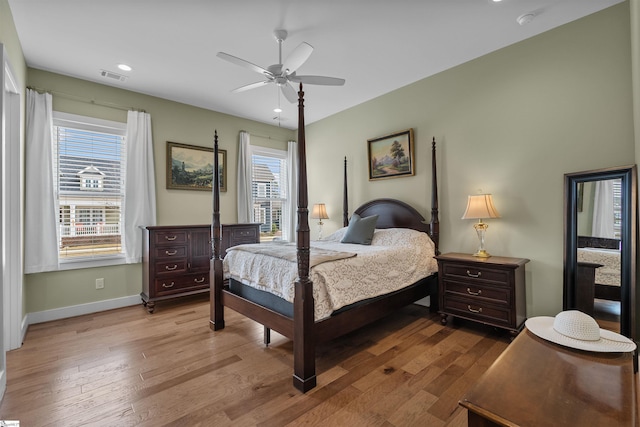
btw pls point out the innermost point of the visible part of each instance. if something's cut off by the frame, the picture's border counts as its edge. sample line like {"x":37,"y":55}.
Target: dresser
{"x":238,"y":234}
{"x":176,"y":259}
{"x":487,"y":290}
{"x":538,"y":383}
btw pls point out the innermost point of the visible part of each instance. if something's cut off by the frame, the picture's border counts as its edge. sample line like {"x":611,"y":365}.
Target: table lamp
{"x":319,"y":212}
{"x":479,"y":207}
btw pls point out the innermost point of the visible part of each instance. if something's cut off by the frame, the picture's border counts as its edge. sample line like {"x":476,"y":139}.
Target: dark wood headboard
{"x":393,"y":214}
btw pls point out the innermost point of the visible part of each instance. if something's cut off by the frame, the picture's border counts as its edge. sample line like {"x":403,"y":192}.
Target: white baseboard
{"x":78,"y":310}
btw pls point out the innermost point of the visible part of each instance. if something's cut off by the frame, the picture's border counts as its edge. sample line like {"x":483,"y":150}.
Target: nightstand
{"x":487,"y":290}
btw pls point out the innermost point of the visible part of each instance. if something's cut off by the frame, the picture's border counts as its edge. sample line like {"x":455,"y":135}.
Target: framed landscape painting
{"x":190,"y":167}
{"x":391,"y":156}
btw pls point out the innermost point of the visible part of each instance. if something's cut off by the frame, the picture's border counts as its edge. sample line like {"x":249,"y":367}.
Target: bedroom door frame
{"x":11,"y":278}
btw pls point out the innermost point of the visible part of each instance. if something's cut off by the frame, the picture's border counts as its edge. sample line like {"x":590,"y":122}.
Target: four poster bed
{"x":301,"y":318}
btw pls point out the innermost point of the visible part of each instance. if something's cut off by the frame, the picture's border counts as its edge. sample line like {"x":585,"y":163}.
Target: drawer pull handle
{"x":164,"y":285}
{"x":199,"y":280}
{"x":173,"y":252}
{"x":474,"y":275}
{"x":171,"y":238}
{"x":171,"y":268}
{"x":470,"y":292}
{"x":479,"y":310}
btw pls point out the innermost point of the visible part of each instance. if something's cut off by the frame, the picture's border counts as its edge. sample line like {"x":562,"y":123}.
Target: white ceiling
{"x":376,"y":45}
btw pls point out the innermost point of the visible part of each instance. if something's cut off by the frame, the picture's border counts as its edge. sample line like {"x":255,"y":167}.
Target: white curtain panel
{"x":140,"y":187}
{"x":245,"y":201}
{"x":41,"y":217}
{"x":291,"y":215}
{"x":603,"y":220}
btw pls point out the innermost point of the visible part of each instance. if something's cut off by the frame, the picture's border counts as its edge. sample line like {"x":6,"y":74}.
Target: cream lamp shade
{"x":319,"y":211}
{"x":479,"y":207}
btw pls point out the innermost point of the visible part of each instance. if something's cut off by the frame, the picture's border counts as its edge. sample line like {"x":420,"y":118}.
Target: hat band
{"x":574,"y":338}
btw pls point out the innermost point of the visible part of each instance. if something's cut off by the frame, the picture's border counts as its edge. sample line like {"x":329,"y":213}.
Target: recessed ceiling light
{"x":277,"y":110}
{"x":124,"y":67}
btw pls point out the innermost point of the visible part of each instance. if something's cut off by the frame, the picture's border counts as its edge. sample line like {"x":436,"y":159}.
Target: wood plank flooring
{"x":126,"y":367}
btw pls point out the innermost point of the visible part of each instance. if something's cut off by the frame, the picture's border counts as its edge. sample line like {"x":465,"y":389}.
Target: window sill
{"x":91,"y":263}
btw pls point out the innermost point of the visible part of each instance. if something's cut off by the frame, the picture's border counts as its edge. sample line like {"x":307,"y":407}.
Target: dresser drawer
{"x":171,"y":252}
{"x":473,"y":273}
{"x":170,"y":237}
{"x":476,"y":309}
{"x":181,"y":284}
{"x":478,"y":291}
{"x":171,"y":266}
{"x":239,"y":235}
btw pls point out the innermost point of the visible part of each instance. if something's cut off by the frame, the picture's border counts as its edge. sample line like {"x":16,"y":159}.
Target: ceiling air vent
{"x":112,"y":75}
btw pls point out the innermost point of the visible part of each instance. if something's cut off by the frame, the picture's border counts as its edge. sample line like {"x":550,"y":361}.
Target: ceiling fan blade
{"x":243,"y":63}
{"x":289,"y":92}
{"x":318,"y":80}
{"x":296,"y":58}
{"x":250,"y":86}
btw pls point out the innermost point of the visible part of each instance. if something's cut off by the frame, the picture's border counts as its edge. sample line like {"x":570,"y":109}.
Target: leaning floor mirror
{"x":600,"y":246}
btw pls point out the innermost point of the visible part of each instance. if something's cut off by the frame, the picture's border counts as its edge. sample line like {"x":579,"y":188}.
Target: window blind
{"x":269,"y":191}
{"x":89,"y":162}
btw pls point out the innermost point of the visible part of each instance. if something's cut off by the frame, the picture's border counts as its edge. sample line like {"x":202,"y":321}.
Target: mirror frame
{"x":628,"y":175}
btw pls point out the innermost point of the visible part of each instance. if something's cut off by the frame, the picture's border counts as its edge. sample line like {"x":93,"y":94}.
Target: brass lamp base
{"x":482,"y":254}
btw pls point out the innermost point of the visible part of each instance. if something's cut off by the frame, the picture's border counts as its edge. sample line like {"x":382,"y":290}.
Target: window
{"x":269,"y":191}
{"x":89,"y":165}
{"x":617,"y":208}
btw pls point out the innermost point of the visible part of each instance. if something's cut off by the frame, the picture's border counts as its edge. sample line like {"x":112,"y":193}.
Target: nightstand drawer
{"x":477,"y":310}
{"x":475,"y":272}
{"x":478,"y":292}
{"x":181,"y":284}
{"x":488,"y":290}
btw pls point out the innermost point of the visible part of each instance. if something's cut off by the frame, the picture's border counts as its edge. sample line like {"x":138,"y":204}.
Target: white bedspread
{"x":396,"y":258}
{"x":609,"y":273}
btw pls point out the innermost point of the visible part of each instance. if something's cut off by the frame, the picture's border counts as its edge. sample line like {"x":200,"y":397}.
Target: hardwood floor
{"x":126,"y":367}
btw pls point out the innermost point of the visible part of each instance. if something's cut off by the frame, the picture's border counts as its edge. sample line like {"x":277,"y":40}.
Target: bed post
{"x":434,"y":225}
{"x":345,"y":200}
{"x":216,"y":315}
{"x":304,"y":357}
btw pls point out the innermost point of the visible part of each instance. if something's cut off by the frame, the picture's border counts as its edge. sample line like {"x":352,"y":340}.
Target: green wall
{"x":171,"y":121}
{"x":510,"y":123}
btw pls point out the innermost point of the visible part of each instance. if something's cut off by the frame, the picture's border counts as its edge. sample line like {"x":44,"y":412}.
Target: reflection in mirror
{"x":599,"y":242}
{"x":600,"y":246}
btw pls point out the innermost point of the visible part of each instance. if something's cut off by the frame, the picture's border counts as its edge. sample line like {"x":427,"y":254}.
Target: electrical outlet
{"x":100,"y":283}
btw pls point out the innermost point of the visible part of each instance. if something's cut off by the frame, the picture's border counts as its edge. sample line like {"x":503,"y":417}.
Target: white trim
{"x":268,"y":152}
{"x":89,"y":123}
{"x":79,"y":310}
{"x":107,"y":261}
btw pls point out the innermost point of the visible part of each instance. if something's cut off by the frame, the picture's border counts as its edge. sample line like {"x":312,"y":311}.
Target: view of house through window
{"x":89,"y":166}
{"x":269,"y":191}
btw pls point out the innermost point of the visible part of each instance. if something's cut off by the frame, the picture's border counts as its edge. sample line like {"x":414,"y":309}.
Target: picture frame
{"x":190,"y":167}
{"x":391,"y":156}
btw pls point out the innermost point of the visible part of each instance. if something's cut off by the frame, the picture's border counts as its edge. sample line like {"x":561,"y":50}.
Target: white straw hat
{"x":576,"y":329}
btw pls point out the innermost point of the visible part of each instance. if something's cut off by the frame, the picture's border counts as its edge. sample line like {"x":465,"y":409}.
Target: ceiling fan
{"x":283,"y":73}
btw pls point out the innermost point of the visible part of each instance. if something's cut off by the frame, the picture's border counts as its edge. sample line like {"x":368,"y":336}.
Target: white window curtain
{"x":603,"y":220}
{"x":140,"y":188}
{"x":245,"y":202}
{"x":41,"y":216}
{"x":291,"y":217}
